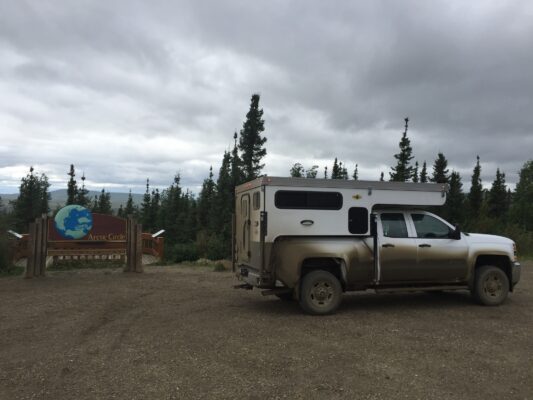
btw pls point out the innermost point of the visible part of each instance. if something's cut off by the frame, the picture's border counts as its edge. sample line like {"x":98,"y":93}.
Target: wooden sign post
{"x":133,"y":246}
{"x":37,"y":248}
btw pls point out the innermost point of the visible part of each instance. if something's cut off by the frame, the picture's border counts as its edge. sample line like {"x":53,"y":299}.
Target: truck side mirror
{"x":456,"y":233}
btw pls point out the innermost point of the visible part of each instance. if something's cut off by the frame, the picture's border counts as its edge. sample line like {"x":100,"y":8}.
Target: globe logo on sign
{"x":73,"y":222}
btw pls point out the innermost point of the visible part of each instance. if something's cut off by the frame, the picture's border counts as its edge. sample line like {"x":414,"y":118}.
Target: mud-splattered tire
{"x":491,"y":285}
{"x":321,"y":293}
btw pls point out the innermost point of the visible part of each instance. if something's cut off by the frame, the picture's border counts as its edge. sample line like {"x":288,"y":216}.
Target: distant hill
{"x":59,"y":198}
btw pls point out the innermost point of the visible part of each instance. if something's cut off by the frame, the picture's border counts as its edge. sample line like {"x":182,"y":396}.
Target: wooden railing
{"x":90,"y":249}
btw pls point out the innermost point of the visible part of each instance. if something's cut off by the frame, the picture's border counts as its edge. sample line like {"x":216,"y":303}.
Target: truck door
{"x":397,"y":251}
{"x":245,"y":227}
{"x":440,"y":258}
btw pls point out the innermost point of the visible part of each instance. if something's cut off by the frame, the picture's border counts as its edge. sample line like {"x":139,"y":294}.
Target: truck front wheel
{"x":491,"y":285}
{"x":321,"y":293}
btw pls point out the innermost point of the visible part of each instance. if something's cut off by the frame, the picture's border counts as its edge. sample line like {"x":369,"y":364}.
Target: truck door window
{"x":430,"y":227}
{"x":394,"y":225}
{"x":358,"y":220}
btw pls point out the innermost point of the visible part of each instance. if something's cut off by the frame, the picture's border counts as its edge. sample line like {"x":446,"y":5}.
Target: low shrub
{"x":181,"y":252}
{"x":219,"y":267}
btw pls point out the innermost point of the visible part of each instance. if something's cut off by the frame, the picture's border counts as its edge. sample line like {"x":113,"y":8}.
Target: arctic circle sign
{"x":73,"y":222}
{"x":77,"y":223}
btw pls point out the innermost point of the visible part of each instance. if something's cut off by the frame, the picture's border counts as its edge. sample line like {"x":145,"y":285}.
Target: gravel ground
{"x":184,"y":333}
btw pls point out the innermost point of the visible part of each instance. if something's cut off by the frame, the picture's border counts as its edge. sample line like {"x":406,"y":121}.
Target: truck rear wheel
{"x":491,"y":285}
{"x":321,"y":293}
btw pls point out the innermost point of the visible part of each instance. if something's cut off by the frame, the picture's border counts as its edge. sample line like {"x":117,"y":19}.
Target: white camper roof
{"x":374,"y":192}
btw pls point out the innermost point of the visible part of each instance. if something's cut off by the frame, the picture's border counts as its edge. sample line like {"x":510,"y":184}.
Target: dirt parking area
{"x":185,"y":333}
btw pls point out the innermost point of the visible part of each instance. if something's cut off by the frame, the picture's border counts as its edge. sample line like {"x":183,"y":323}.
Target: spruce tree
{"x":297,"y":171}
{"x":522,"y":206}
{"x":223,"y":205}
{"x":72,"y":187}
{"x":403,"y":170}
{"x":335,"y":171}
{"x":237,"y":175}
{"x":205,"y":202}
{"x":424,"y":174}
{"x":440,"y":171}
{"x":104,"y":203}
{"x":415,"y":173}
{"x":343,"y":172}
{"x":355,"y":175}
{"x":146,"y":208}
{"x":311,"y":172}
{"x":497,"y":197}
{"x":82,"y":195}
{"x":32,"y":201}
{"x":130,"y":207}
{"x":94,"y":205}
{"x":454,"y":207}
{"x":155,"y":205}
{"x":251,"y":142}
{"x":475,"y":196}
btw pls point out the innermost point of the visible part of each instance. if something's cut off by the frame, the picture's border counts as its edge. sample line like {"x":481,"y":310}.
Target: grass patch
{"x":12,"y":271}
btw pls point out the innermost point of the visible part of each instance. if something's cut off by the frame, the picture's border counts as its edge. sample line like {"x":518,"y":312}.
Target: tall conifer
{"x":522,"y":206}
{"x":497,"y":198}
{"x":475,"y":196}
{"x":440,"y":171}
{"x":403,"y":171}
{"x":251,"y":142}
{"x":72,"y":187}
{"x":454,"y":207}
{"x":424,"y":174}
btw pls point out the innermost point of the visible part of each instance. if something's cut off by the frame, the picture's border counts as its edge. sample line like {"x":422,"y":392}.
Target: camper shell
{"x":269,"y":210}
{"x":312,"y":239}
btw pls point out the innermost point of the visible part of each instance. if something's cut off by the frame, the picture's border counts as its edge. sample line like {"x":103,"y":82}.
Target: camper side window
{"x":308,"y":200}
{"x":358,"y":220}
{"x":256,"y":201}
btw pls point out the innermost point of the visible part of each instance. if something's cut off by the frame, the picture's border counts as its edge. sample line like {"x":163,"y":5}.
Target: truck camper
{"x":310,"y":240}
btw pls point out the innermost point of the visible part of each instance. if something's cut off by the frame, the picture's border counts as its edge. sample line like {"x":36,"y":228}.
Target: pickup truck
{"x":312,"y":243}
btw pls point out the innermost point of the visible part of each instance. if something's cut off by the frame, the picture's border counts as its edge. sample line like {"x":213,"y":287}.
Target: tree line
{"x":200,"y":225}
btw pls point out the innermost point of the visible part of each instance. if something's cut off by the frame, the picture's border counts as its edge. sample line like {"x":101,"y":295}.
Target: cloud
{"x":127,"y":89}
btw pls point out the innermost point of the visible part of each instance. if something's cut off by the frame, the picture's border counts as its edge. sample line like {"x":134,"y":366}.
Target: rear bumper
{"x":516,"y":271}
{"x":252,"y":277}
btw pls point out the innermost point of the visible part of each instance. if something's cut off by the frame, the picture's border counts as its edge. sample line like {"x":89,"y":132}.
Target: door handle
{"x":424,"y":245}
{"x":388,"y":245}
{"x":307,"y":222}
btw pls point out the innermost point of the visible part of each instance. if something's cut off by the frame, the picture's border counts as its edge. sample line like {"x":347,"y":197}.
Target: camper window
{"x":308,"y":200}
{"x":256,"y":201}
{"x":358,"y":220}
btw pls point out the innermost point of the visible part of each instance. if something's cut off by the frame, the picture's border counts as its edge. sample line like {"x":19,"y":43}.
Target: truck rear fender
{"x":334,"y":265}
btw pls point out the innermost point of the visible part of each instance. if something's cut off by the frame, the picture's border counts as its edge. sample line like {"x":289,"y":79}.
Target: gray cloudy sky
{"x":132,"y":89}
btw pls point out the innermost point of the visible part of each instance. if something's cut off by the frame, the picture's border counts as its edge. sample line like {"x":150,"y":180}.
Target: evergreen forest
{"x":199,"y":226}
